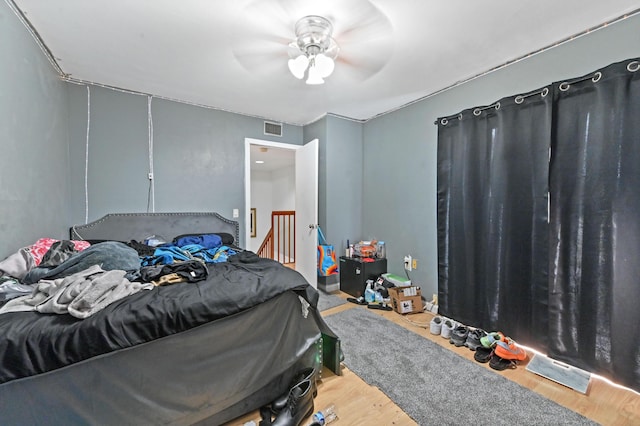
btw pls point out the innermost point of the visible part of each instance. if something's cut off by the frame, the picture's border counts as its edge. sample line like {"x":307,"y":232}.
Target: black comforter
{"x":34,"y":343}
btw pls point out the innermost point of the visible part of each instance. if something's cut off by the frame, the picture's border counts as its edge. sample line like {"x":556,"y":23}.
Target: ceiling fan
{"x":312,"y":38}
{"x":313,"y":51}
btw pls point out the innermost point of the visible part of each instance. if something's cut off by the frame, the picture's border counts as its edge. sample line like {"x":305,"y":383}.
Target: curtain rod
{"x":518,"y":99}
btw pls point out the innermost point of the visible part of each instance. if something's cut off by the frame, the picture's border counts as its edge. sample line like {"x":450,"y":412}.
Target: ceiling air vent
{"x":273,"y":129}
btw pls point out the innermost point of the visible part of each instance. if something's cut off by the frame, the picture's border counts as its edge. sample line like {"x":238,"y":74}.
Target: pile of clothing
{"x":64,"y":276}
{"x":80,"y":278}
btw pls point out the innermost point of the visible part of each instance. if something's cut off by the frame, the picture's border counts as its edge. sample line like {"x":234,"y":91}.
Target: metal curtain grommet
{"x":633,"y":66}
{"x":477,"y":112}
{"x":544,"y":92}
{"x":596,"y":77}
{"x":519,"y":99}
{"x":460,"y":117}
{"x":497,"y":106}
{"x":444,"y":121}
{"x":564,"y":86}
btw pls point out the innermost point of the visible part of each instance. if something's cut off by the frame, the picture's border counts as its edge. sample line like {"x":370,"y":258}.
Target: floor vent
{"x":272,"y":129}
{"x":560,"y":372}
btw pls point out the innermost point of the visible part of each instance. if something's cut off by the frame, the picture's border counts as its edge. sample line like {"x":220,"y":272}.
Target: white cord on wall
{"x":86,"y":159}
{"x":151,"y":201}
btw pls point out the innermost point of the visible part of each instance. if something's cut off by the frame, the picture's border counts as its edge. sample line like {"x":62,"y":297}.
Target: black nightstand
{"x":354,"y":274}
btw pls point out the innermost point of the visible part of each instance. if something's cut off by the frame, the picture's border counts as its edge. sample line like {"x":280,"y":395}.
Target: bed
{"x":200,"y":352}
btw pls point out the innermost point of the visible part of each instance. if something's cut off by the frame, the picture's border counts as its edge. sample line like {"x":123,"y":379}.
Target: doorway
{"x":293,"y":169}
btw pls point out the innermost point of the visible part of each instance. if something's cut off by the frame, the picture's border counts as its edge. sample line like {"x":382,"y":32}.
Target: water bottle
{"x":369,"y":294}
{"x":325,"y":416}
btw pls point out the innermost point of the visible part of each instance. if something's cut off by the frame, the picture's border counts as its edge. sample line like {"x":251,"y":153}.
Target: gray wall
{"x":34,"y":184}
{"x":198,"y":154}
{"x":339,"y":178}
{"x":343,"y":201}
{"x":403,"y":143}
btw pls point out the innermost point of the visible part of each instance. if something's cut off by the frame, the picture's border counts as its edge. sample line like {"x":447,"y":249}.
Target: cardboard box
{"x":406,"y":300}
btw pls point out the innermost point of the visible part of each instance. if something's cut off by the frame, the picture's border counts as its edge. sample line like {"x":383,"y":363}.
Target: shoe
{"x":473,"y":338}
{"x":459,"y":335}
{"x":507,"y":349}
{"x":298,"y":407}
{"x":447,"y":329}
{"x":302,"y":375}
{"x":435,"y":326}
{"x":491,"y":338}
{"x":483,"y":355}
{"x":498,"y":363}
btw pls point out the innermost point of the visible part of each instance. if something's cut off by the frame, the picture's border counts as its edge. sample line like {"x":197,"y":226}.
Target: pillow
{"x":227,"y":239}
{"x":209,"y":241}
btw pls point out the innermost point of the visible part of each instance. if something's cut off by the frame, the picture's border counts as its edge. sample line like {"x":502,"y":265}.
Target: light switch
{"x":236,"y":213}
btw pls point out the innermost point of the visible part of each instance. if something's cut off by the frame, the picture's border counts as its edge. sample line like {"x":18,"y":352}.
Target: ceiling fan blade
{"x":262,"y":55}
{"x":360,"y":67}
{"x":364,"y":58}
{"x":365,"y":41}
{"x":262,"y":36}
{"x":259,"y":41}
{"x":362,"y":24}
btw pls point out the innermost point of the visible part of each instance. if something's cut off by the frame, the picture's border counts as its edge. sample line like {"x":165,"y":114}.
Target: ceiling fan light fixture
{"x":315,"y":46}
{"x":324,"y":64}
{"x":314,"y":77}
{"x":298,"y":66}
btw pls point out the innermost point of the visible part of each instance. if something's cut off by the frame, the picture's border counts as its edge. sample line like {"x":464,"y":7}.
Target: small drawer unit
{"x":354,"y":273}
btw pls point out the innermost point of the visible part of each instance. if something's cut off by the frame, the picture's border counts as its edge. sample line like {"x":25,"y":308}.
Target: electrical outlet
{"x":407,"y":263}
{"x":414,"y":264}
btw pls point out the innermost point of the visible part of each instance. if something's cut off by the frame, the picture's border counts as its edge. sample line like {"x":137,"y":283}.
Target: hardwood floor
{"x":358,"y":403}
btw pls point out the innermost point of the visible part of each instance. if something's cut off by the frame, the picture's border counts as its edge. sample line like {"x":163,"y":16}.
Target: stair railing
{"x":280,"y":242}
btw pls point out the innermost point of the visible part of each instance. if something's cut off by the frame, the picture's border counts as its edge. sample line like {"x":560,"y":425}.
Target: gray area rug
{"x":434,"y":385}
{"x":328,"y":301}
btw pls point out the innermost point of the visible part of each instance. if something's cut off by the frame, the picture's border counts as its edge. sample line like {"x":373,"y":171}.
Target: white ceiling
{"x":272,"y":158}
{"x":232,"y":55}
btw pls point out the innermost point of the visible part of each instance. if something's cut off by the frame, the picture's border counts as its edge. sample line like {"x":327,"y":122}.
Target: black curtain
{"x":492,"y":215}
{"x":595,"y":223}
{"x":567,"y":282}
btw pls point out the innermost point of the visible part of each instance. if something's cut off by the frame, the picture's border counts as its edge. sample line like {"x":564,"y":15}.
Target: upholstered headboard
{"x":139,"y":226}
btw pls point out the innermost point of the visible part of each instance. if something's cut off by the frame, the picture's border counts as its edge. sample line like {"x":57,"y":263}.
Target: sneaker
{"x":459,"y":335}
{"x":435,"y":327}
{"x":447,"y":328}
{"x":483,"y":354}
{"x":473,"y":338}
{"x":491,"y":338}
{"x":498,"y":363}
{"x":507,"y":349}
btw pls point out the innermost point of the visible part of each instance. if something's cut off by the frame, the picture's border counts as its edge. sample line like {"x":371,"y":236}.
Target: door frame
{"x":247,"y":177}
